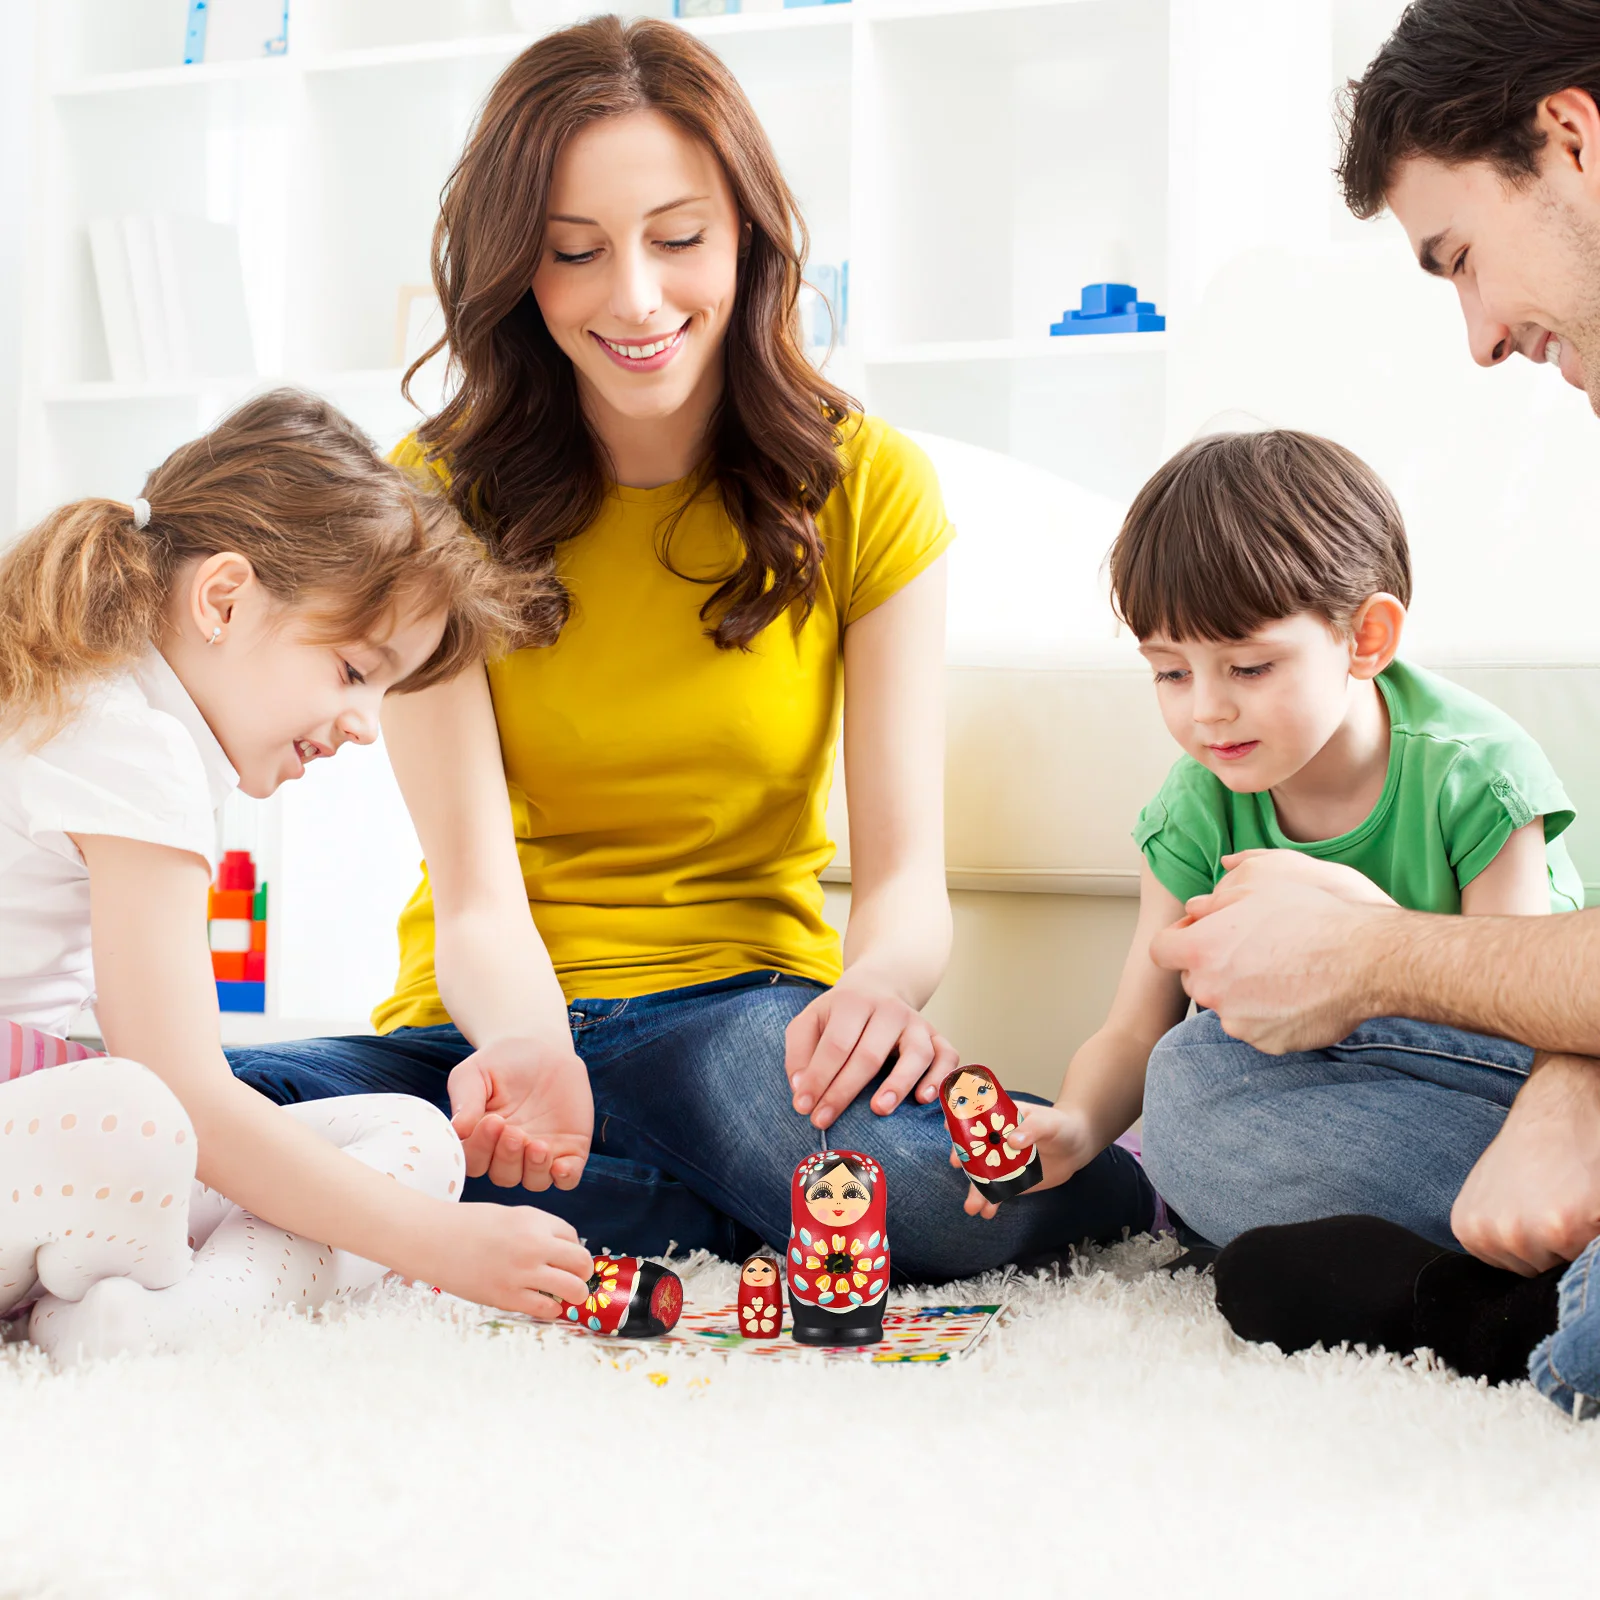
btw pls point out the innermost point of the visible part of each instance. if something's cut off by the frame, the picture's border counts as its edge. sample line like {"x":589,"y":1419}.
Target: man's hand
{"x":840,"y":1041}
{"x":1286,"y":964}
{"x":1064,"y":1140}
{"x":1533,"y":1199}
{"x":1249,"y":871}
{"x":524,"y":1114}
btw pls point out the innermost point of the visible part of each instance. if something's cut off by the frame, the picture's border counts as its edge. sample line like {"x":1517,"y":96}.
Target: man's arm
{"x":1292,"y":966}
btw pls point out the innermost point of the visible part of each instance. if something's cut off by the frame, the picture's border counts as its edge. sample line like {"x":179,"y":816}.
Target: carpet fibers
{"x":1113,"y":1439}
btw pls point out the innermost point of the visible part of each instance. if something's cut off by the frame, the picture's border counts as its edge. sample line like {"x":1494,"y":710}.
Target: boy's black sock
{"x":1482,"y":1320}
{"x":1329,"y":1282}
{"x":1366,"y":1281}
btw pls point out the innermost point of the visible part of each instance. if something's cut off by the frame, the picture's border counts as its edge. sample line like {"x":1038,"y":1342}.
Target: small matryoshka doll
{"x":760,"y":1297}
{"x":629,"y":1298}
{"x":981,"y":1117}
{"x":838,"y":1262}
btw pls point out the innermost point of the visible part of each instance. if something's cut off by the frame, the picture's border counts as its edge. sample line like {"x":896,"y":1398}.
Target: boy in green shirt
{"x":1266,"y":576}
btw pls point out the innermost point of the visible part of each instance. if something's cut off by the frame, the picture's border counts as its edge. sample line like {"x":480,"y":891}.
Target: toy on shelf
{"x":236,"y":926}
{"x":791,"y":5}
{"x":760,"y":1298}
{"x":629,"y":1299}
{"x":981,"y":1117}
{"x":838,"y":1266}
{"x":1111,"y":308}
{"x":704,"y":8}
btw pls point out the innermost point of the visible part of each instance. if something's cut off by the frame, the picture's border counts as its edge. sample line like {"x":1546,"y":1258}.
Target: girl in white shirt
{"x":243,"y":617}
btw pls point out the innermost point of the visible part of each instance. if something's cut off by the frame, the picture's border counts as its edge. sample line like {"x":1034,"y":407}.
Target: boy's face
{"x":1254,"y":712}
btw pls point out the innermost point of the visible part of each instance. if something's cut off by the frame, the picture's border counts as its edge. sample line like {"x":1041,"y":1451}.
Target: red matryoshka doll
{"x":838,"y":1265}
{"x":981,"y":1117}
{"x":629,"y":1298}
{"x":760,"y":1297}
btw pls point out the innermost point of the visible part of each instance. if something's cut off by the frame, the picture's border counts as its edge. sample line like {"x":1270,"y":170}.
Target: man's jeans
{"x":1387,"y":1123}
{"x":695,"y":1139}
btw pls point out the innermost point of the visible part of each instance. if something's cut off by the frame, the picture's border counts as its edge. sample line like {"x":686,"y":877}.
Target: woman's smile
{"x":643,"y":355}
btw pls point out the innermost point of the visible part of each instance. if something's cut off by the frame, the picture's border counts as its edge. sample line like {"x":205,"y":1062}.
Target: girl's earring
{"x":216,"y":633}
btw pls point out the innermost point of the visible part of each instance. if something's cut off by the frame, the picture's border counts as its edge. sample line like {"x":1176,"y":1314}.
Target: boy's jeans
{"x":695,"y":1139}
{"x":1387,"y":1123}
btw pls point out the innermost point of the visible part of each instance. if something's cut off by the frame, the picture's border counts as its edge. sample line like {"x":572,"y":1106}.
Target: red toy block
{"x":237,"y":872}
{"x":228,"y":965}
{"x":255,"y":967}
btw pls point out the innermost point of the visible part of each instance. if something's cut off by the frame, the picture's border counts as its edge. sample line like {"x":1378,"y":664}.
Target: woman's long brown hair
{"x":525,"y":467}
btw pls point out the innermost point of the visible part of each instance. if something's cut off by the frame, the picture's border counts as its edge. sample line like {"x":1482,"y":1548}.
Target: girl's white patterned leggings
{"x":103,"y":1224}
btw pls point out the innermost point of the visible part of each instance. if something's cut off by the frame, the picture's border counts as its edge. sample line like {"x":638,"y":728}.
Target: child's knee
{"x":112,"y":1112}
{"x":399,"y":1135}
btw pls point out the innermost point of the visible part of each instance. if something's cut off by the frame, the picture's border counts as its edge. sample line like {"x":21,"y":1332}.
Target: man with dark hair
{"x":1478,"y":125}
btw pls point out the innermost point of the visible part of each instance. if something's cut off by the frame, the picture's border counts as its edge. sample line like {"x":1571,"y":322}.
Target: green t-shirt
{"x":1463,"y":777}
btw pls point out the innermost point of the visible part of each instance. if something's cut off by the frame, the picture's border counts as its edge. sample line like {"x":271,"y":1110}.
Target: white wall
{"x":16,"y":124}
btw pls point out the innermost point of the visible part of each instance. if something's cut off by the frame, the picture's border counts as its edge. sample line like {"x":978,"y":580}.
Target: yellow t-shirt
{"x":670,"y":798}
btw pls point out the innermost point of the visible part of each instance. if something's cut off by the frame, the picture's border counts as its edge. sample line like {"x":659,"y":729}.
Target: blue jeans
{"x":1386,"y":1123}
{"x":695,"y":1138}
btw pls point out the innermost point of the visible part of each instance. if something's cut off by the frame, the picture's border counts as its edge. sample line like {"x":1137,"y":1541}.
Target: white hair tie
{"x":141,"y":514}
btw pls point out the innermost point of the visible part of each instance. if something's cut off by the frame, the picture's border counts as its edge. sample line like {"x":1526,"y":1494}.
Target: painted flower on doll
{"x":990,"y":1141}
{"x":603,"y":1285}
{"x":759,"y":1315}
{"x":842,"y":1268}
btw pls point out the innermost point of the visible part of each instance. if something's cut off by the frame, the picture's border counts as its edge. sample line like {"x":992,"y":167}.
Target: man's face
{"x":1524,"y":258}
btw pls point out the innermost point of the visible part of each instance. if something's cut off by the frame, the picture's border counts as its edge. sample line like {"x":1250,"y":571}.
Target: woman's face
{"x":838,"y":1198}
{"x":970,"y":1095}
{"x":640,"y":265}
{"x":760,"y":1274}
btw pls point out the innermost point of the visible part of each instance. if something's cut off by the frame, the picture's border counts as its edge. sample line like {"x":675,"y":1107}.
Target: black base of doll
{"x":655,"y":1307}
{"x":1000,"y":1189}
{"x":858,"y":1325}
{"x":1361,"y":1280}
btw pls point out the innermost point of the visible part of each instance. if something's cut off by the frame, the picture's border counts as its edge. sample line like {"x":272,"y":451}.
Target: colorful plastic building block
{"x":1111,"y":308}
{"x":236,"y":930}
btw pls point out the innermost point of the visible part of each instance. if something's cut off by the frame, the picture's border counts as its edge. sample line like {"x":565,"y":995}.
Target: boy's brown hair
{"x":1241,"y":529}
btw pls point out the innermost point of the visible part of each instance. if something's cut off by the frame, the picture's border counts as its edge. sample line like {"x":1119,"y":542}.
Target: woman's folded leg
{"x":692,"y":1084}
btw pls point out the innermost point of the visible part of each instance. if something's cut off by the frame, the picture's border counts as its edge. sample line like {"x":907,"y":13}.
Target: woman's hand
{"x":1065,"y":1142}
{"x":517,"y":1258}
{"x":839,"y":1043}
{"x":523,"y":1113}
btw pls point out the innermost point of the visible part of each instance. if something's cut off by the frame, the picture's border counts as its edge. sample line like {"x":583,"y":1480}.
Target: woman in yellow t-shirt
{"x":616,"y":972}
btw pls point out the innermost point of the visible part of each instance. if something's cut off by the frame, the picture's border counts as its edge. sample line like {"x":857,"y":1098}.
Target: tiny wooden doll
{"x":760,"y":1298}
{"x":981,"y":1117}
{"x":629,"y":1298}
{"x":838,"y":1265}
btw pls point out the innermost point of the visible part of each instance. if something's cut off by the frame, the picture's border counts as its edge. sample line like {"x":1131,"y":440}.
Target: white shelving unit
{"x":976,"y":162}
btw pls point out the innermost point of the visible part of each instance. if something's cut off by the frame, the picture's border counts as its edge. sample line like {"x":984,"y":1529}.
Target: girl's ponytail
{"x":293,"y":486}
{"x":81,"y":598}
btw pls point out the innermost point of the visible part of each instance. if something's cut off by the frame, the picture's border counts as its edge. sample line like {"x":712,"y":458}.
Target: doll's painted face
{"x":838,"y":1198}
{"x":970,"y":1095}
{"x":760,"y":1273}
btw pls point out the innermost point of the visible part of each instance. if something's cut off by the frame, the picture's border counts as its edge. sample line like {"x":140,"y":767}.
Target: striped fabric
{"x":24,"y":1050}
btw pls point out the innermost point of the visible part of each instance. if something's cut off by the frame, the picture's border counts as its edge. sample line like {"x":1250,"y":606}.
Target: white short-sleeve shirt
{"x":137,"y":762}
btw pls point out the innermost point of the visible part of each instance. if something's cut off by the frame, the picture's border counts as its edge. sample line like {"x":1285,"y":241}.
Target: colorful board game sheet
{"x":927,"y":1335}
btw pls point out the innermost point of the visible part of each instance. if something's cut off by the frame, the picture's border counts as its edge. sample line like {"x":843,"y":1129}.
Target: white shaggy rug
{"x":1114,"y":1440}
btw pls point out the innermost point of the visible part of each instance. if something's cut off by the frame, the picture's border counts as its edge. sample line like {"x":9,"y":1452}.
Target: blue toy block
{"x":1111,"y":308}
{"x":241,"y":996}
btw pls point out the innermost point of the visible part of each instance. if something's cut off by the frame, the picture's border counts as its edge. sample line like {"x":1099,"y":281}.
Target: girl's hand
{"x":1064,"y":1140}
{"x":523,"y":1113}
{"x":840,"y":1042}
{"x":514,"y":1257}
